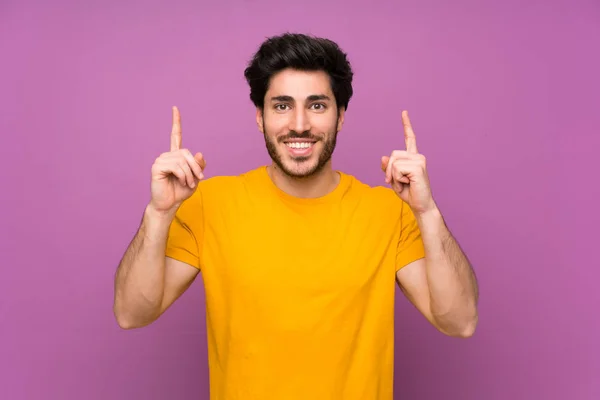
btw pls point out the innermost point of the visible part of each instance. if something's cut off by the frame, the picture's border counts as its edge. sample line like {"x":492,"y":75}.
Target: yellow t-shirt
{"x":299,"y":292}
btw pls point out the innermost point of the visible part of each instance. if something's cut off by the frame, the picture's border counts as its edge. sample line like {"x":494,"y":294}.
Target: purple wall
{"x":504,"y":99}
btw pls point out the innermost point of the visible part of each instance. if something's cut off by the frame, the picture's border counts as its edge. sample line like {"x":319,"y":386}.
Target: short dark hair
{"x":301,"y":52}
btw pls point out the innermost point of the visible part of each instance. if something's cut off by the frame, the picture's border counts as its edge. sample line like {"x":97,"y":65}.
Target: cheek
{"x":275,"y":127}
{"x":323,"y":123}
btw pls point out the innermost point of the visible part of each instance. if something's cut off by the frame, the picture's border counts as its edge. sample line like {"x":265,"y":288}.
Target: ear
{"x":259,"y":119}
{"x":341,"y":112}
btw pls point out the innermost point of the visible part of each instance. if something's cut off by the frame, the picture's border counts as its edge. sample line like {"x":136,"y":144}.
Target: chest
{"x":300,"y":251}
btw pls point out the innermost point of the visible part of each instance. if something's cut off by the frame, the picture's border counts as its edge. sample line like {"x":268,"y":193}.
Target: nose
{"x":300,"y":121}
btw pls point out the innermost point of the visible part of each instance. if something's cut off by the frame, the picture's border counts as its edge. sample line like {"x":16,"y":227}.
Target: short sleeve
{"x":410,"y":244}
{"x":186,"y":231}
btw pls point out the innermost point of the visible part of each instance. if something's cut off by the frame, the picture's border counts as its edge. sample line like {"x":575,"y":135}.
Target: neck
{"x":316,"y":185}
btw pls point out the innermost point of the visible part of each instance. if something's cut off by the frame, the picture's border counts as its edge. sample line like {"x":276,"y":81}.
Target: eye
{"x":319,"y":106}
{"x":280,"y":107}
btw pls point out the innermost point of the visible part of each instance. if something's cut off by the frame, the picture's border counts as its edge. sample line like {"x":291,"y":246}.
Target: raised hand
{"x":406,"y":171}
{"x":175,"y":174}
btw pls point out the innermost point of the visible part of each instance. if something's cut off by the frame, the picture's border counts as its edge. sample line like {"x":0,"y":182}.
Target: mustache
{"x":294,"y":135}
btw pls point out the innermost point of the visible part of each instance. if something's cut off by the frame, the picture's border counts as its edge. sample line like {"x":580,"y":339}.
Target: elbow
{"x":125,"y":321}
{"x":135,"y":315}
{"x":467,"y":329}
{"x":466,"y":325}
{"x":125,"y":324}
{"x":463,"y":328}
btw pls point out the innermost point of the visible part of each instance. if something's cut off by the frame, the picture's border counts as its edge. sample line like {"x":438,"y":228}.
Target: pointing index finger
{"x":176,"y":130}
{"x":409,"y":134}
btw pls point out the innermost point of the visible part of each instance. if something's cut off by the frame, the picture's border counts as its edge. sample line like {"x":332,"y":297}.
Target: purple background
{"x":504,"y":98}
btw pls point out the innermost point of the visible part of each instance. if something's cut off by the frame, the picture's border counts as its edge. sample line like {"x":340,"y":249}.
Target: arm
{"x":147,"y":282}
{"x":442,"y":286}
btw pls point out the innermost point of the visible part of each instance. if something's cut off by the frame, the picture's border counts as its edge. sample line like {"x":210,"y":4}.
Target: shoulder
{"x":228,"y":185}
{"x":381,"y":202}
{"x":377,"y":194}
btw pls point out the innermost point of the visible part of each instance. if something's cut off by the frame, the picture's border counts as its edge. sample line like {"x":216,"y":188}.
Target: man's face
{"x":300,"y":121}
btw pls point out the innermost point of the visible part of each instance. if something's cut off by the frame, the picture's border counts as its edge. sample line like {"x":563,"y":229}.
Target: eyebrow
{"x":312,"y":97}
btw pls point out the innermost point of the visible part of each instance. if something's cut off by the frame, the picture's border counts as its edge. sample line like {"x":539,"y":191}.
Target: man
{"x":299,"y":261}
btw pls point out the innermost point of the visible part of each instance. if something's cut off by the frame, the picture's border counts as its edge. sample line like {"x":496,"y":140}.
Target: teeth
{"x":302,"y":145}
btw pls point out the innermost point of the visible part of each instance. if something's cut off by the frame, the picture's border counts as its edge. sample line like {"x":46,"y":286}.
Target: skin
{"x":442,"y":286}
{"x":301,"y":104}
{"x":146,"y":282}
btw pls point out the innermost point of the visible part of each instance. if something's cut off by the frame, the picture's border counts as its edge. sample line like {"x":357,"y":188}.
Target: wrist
{"x":160,"y":215}
{"x":431,"y":217}
{"x":157,"y":222}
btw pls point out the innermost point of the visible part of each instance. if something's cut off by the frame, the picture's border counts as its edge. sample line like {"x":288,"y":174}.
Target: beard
{"x":305,"y":170}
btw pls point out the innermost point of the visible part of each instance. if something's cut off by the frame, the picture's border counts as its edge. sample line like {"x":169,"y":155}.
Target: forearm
{"x":140,"y":277}
{"x":451,"y":280}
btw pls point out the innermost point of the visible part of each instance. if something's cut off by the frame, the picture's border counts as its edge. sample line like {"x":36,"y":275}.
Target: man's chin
{"x":299,"y":168}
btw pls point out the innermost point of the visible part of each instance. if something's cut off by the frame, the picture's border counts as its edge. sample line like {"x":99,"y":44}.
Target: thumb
{"x":384,"y":163}
{"x":200,"y":160}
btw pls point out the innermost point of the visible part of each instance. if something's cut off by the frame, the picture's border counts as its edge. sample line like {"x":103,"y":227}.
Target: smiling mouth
{"x":299,"y":145}
{"x":299,"y":148}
